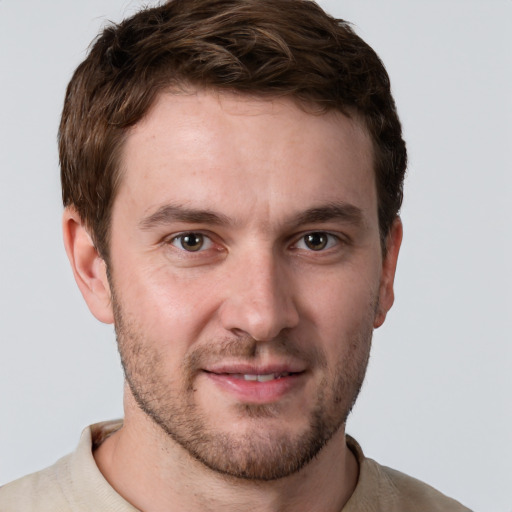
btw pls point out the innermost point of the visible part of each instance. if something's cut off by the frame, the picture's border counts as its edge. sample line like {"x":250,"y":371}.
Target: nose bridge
{"x":260,"y":301}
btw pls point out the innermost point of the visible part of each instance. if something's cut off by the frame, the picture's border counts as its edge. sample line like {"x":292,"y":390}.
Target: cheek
{"x":171,"y":307}
{"x":347,"y":330}
{"x":343,"y":300}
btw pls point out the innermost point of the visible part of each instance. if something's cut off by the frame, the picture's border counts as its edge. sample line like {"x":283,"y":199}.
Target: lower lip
{"x":255,"y":392}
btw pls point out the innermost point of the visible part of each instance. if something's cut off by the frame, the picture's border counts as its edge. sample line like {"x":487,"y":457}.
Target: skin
{"x":253,"y":178}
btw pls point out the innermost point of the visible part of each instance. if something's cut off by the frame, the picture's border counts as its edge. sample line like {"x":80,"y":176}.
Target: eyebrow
{"x":179,"y":213}
{"x":333,"y":211}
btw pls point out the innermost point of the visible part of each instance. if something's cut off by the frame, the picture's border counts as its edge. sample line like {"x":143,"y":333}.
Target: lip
{"x":229,"y":378}
{"x":254,"y":369}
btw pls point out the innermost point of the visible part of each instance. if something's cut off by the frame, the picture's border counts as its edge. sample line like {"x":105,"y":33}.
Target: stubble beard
{"x":257,"y":454}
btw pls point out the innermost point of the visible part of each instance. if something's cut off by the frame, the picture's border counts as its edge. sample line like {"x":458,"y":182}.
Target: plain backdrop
{"x":436,"y":403}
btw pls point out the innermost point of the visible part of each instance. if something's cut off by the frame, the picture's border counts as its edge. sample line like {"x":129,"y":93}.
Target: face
{"x":246,"y":277}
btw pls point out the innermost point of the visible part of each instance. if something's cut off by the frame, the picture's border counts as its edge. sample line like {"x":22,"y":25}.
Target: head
{"x":234,"y":169}
{"x":257,"y":48}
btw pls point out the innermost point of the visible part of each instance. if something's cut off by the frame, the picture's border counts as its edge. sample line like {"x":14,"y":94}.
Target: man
{"x":232,"y":175}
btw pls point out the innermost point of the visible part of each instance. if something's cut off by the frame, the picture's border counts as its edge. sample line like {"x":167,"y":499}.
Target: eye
{"x":317,"y":241}
{"x":192,"y":242}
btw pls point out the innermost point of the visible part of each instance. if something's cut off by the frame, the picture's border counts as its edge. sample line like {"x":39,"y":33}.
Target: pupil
{"x":192,"y":242}
{"x":316,"y":241}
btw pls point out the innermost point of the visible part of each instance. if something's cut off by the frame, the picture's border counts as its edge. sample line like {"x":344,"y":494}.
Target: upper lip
{"x":252,"y":369}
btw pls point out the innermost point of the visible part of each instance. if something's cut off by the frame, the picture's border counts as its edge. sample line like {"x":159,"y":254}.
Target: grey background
{"x":436,"y":403}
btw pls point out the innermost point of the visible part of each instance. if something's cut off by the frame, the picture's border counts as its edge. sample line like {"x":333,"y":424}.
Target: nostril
{"x":258,"y":301}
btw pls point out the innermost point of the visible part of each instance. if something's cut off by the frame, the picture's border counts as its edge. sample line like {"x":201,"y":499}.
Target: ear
{"x":88,"y":266}
{"x":386,"y":293}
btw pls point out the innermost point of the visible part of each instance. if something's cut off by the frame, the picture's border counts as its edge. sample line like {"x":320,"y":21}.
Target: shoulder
{"x":381,"y":489}
{"x":413,"y":494}
{"x":39,"y":491}
{"x":73,"y":483}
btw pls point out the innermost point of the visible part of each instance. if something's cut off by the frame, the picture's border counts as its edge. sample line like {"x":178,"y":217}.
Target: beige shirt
{"x":74,"y":483}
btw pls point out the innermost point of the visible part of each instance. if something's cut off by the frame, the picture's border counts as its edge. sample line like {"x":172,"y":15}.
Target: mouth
{"x":265,"y":377}
{"x":251,"y":385}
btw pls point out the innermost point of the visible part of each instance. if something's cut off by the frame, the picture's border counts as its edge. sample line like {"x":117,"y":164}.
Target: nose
{"x":259,"y":298}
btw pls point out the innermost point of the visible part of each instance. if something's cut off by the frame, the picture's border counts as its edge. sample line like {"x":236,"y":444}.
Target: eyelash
{"x":331,"y":240}
{"x":179,"y":239}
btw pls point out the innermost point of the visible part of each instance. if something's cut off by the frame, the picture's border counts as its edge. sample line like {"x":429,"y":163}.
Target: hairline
{"x":184,"y":87}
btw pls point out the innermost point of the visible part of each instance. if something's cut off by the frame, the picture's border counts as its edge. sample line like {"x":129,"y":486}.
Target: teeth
{"x":265,"y":378}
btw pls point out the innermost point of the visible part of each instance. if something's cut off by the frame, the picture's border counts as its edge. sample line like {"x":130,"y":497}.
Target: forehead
{"x":208,"y":148}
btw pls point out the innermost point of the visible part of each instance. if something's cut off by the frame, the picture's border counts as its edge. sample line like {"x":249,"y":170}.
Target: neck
{"x":154,"y":473}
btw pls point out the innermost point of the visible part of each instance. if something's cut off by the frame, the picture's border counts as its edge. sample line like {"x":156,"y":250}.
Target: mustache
{"x":246,"y":349}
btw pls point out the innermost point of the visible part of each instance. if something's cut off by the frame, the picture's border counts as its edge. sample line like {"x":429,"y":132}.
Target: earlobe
{"x":386,"y":292}
{"x":88,"y":266}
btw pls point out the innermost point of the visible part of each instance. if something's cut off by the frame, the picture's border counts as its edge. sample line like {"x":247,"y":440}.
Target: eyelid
{"x":172,"y":240}
{"x":207,"y":241}
{"x":335,"y":240}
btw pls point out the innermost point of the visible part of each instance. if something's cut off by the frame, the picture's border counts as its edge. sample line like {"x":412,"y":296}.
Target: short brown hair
{"x":267,"y":48}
